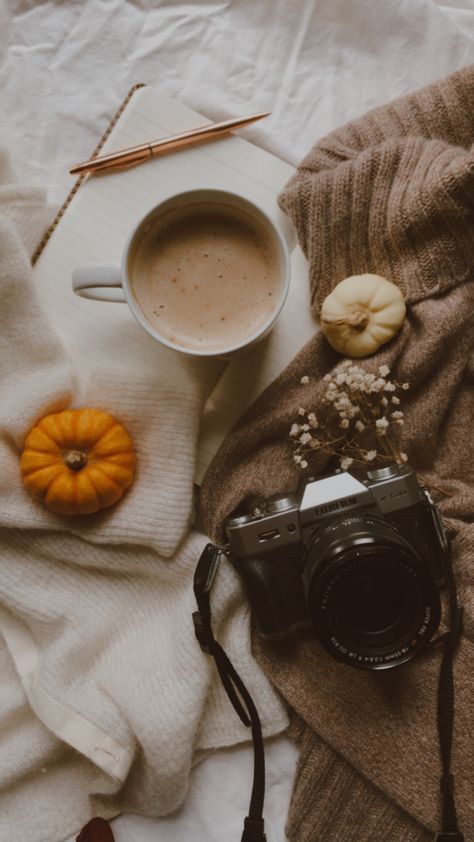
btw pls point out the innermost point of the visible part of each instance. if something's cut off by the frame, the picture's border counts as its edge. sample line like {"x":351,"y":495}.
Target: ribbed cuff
{"x":332,"y":802}
{"x":390,"y":193}
{"x":163,"y":421}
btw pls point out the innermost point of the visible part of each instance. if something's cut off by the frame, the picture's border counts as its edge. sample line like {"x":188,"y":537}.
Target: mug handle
{"x":101,"y":281}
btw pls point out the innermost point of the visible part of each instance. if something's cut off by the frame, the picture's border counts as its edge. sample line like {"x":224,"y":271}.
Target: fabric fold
{"x":326,"y":780}
{"x":417,"y":231}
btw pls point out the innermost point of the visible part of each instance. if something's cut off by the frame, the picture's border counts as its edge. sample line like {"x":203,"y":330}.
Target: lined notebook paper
{"x":94,"y":228}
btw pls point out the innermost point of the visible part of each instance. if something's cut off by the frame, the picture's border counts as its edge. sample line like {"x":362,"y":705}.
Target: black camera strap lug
{"x":203,"y":579}
{"x":234,"y":686}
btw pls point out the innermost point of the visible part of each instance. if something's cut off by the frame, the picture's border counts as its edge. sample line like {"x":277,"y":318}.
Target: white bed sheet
{"x":64,"y":67}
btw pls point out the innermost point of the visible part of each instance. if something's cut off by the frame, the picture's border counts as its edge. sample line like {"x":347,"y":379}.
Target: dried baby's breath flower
{"x":346,"y":462}
{"x":405,"y":386}
{"x":351,"y":394}
{"x":378,"y":385}
{"x":403,"y":457}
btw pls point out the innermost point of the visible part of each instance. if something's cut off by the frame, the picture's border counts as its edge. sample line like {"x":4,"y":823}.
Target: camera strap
{"x":449,"y":820}
{"x":234,"y":687}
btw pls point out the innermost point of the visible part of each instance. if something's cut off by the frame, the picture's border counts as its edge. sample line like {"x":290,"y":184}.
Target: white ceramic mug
{"x":112,"y":282}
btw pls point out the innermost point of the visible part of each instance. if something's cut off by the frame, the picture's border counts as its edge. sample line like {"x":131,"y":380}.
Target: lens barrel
{"x":369,"y":595}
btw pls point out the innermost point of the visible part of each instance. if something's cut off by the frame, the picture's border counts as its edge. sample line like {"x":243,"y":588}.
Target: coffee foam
{"x":207,"y":278}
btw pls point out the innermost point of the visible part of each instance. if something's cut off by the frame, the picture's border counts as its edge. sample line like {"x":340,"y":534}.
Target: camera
{"x":361,"y":561}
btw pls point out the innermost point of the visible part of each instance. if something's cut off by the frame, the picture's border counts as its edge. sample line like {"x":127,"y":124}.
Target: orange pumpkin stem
{"x":75,"y":459}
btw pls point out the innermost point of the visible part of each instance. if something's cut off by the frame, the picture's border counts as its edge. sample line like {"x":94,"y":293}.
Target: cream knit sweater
{"x":105,"y":697}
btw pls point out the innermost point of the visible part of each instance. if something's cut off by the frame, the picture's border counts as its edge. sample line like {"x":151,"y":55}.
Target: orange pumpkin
{"x":78,"y":461}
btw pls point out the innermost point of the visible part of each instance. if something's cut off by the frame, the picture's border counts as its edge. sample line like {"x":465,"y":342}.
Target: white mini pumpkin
{"x":362,"y":313}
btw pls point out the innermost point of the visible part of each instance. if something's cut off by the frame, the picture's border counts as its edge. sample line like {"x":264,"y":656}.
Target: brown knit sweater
{"x":391,"y":193}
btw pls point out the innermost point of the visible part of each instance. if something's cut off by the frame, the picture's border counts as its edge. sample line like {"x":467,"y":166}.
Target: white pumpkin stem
{"x":357,"y":320}
{"x":75,"y":459}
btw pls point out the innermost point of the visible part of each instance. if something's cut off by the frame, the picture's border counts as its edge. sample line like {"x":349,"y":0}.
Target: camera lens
{"x":370,"y":597}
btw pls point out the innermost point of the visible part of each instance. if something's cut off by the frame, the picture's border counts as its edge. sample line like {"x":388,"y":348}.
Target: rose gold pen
{"x":137,"y":154}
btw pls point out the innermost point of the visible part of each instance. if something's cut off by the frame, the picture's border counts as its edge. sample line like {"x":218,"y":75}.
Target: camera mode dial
{"x":239,"y":520}
{"x":280,"y":504}
{"x":388,"y":472}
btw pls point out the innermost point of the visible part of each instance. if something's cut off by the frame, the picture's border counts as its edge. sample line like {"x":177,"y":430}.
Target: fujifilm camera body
{"x":360,"y":561}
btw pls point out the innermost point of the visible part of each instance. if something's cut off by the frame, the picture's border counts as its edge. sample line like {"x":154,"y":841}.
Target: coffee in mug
{"x":206,"y":273}
{"x":206,"y":279}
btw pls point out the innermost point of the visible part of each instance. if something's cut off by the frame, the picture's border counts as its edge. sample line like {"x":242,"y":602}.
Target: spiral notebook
{"x":94,"y":224}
